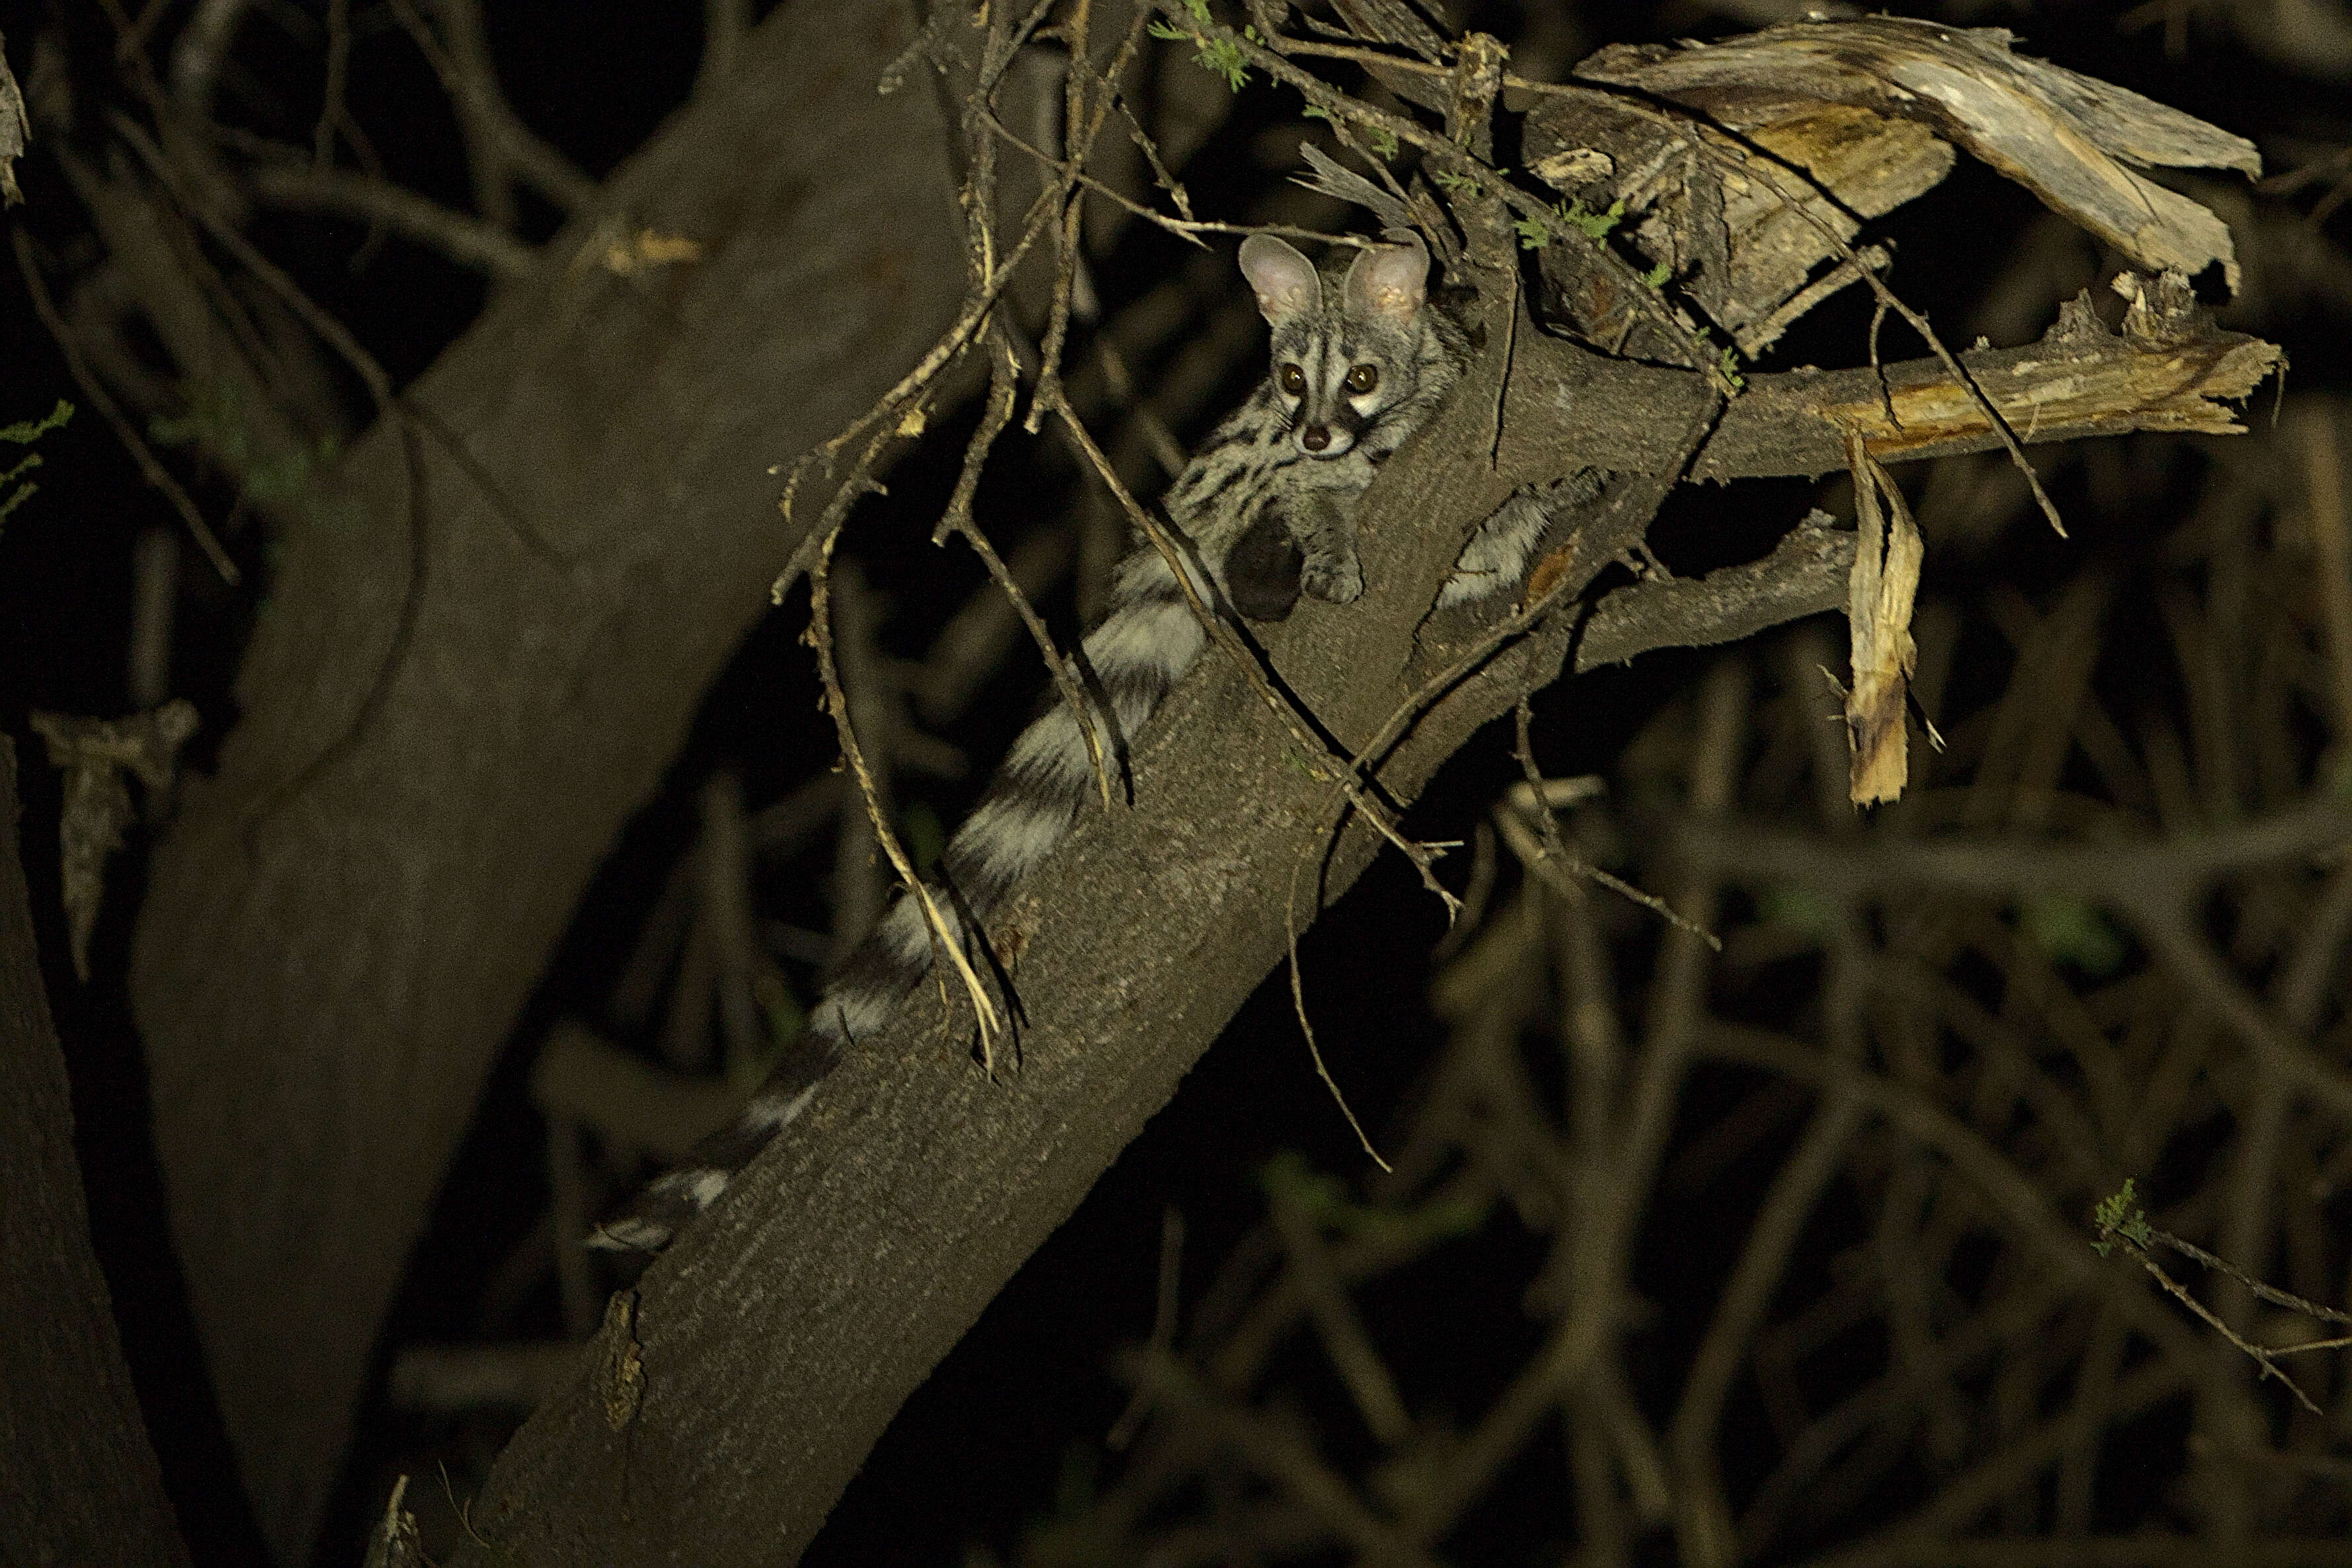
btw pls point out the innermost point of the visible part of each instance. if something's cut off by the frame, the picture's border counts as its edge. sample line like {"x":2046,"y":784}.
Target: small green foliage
{"x":1461,"y":185}
{"x":213,"y":417}
{"x":1317,"y":111}
{"x":1656,"y":276}
{"x":26,"y":431}
{"x":15,"y":488}
{"x":1220,"y":56}
{"x":2070,"y":930}
{"x":1728,"y":363}
{"x":2119,"y":1214}
{"x":1536,"y":230}
{"x":1595,"y":225}
{"x":1325,"y":1199}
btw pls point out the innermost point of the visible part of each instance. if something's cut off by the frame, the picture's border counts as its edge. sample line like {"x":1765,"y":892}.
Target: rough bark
{"x":322,"y":978}
{"x":324,"y":973}
{"x":79,"y":1483}
{"x":778,"y":1337}
{"x":771,"y":1346}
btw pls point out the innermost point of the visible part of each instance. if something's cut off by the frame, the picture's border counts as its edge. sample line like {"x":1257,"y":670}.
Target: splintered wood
{"x":1879,"y":595}
{"x":1750,"y":202}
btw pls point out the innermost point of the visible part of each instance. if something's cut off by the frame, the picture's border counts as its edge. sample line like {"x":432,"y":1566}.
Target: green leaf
{"x":24,"y":432}
{"x":12,"y":499}
{"x":1595,"y":226}
{"x":1221,"y":56}
{"x":2119,"y":1214}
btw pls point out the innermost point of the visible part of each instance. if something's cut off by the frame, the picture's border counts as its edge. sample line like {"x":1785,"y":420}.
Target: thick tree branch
{"x":321,"y":989}
{"x":895,"y":1209}
{"x":82,"y":1484}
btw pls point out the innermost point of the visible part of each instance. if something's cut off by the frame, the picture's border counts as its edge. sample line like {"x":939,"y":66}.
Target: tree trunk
{"x":324,"y":974}
{"x":778,"y":1337}
{"x":79,"y":1483}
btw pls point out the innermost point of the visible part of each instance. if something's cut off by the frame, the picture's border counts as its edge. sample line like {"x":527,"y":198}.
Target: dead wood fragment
{"x":2068,"y":139}
{"x":14,"y":130}
{"x":2080,"y":379}
{"x":1567,"y":408}
{"x":94,"y":755}
{"x":1884,"y":583}
{"x":1727,"y":240}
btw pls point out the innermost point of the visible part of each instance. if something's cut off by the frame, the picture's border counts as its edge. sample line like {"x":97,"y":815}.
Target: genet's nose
{"x":1314,"y":437}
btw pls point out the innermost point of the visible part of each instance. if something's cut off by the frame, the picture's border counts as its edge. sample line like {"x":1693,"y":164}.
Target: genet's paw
{"x":1336,"y":578}
{"x":1261,"y":571}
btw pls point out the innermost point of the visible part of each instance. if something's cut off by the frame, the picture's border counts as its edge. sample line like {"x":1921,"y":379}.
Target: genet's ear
{"x":1285,"y":280}
{"x":1391,"y":281}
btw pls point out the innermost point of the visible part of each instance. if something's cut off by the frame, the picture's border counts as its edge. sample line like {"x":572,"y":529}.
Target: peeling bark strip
{"x":1888,"y":551}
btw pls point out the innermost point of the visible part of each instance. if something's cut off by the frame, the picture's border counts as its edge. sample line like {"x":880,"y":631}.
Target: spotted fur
{"x":1360,"y":360}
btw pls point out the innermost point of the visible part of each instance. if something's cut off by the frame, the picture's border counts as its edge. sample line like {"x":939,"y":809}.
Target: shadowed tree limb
{"x":321,"y":996}
{"x":82,"y":1484}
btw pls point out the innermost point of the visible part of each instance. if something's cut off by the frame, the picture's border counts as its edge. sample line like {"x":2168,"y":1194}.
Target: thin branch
{"x":470,"y":242}
{"x":45,"y":307}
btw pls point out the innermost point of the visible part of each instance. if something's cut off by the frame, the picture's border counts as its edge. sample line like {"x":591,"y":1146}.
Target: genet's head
{"x":1345,"y":349}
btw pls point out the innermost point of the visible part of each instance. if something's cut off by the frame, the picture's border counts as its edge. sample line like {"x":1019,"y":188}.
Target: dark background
{"x":1021,"y":1406}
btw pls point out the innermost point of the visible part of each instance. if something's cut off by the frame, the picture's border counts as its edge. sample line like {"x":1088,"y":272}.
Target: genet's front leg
{"x":1263,"y":568}
{"x":1325,"y":529}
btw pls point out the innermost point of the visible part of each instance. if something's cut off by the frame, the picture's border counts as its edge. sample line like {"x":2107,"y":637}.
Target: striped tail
{"x":1132,"y":661}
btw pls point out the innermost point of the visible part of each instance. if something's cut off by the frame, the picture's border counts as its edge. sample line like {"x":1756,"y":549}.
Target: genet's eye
{"x":1293,"y":381}
{"x":1363,"y":379}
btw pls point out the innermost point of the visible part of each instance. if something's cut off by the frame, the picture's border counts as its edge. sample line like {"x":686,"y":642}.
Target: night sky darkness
{"x":984,"y":1445}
